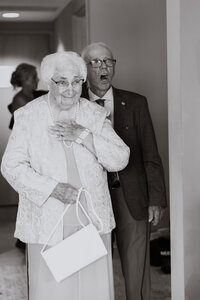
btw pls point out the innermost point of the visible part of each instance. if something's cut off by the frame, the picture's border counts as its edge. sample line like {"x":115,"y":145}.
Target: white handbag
{"x":76,"y":251}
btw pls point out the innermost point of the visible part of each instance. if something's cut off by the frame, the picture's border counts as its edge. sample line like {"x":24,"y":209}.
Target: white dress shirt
{"x":109,"y":101}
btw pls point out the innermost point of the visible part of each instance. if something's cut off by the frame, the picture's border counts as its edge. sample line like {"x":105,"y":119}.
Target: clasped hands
{"x":66,"y":131}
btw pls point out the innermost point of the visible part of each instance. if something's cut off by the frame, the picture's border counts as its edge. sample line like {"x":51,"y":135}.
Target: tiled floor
{"x":13,"y":279}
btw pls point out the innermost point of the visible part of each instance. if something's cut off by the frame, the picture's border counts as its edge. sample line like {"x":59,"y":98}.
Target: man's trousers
{"x":132,"y":238}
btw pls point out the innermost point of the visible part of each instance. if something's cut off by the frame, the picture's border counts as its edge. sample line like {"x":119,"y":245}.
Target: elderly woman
{"x":61,"y":142}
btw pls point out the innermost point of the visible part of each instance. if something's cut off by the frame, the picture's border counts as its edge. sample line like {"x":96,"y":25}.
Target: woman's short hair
{"x":53,"y":62}
{"x":21,"y":74}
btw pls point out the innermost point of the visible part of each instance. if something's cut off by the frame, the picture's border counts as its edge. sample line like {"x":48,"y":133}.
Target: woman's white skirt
{"x":94,"y":282}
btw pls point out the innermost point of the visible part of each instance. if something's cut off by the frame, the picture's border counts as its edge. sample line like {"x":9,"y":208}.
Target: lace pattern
{"x":35,"y":173}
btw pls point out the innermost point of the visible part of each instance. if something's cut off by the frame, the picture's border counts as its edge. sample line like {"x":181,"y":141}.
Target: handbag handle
{"x":94,"y":212}
{"x":86,"y":214}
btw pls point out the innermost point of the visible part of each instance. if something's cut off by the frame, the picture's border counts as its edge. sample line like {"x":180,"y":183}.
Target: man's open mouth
{"x":104,"y":77}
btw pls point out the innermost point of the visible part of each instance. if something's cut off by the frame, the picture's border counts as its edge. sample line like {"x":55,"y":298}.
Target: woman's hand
{"x":65,"y":192}
{"x":66,"y":131}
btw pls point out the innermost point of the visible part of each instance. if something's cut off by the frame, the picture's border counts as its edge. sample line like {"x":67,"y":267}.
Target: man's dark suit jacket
{"x":142,"y":180}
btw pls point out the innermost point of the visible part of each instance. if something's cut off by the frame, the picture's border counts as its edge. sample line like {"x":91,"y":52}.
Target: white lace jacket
{"x":34,"y":163}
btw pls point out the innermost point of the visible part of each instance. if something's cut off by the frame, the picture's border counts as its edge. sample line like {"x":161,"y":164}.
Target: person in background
{"x":59,"y":144}
{"x":137,"y":192}
{"x":24,"y":77}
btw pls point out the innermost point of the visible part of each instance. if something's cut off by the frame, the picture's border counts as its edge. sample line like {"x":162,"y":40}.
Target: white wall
{"x":136,"y":31}
{"x":63,"y":27}
{"x":190,"y":94}
{"x":184,"y":141}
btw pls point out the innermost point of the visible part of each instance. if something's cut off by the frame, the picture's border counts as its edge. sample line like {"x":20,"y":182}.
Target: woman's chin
{"x":67,"y":103}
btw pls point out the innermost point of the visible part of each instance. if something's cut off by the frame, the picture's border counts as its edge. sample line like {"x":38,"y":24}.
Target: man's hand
{"x":66,"y":131}
{"x":155,"y":214}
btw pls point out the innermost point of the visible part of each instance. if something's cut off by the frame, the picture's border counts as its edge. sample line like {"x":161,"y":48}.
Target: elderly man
{"x":138,"y":192}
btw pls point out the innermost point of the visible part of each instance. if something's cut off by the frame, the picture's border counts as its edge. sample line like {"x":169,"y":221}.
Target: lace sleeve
{"x":111,"y":151}
{"x":16,"y":166}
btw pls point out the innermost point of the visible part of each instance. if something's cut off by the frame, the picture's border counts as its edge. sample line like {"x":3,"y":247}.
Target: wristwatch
{"x":82,"y":136}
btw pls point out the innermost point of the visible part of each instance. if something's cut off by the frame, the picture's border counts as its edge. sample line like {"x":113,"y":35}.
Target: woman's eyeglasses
{"x":75,"y":84}
{"x":97,"y":63}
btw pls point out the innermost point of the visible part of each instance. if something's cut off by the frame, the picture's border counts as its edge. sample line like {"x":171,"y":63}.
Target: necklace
{"x":67,"y":144}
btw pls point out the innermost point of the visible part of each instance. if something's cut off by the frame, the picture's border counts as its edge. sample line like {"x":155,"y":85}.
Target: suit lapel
{"x":120,"y":108}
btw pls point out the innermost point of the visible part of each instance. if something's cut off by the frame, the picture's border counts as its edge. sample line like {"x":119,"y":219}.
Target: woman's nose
{"x":69,"y":90}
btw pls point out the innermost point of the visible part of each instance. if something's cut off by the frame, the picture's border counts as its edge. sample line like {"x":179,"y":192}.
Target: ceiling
{"x":32,"y":10}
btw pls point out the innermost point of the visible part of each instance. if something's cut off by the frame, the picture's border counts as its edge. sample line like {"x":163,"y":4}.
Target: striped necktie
{"x":100,"y":101}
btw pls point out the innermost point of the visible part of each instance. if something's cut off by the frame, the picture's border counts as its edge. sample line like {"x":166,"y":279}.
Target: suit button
{"x":127,"y":127}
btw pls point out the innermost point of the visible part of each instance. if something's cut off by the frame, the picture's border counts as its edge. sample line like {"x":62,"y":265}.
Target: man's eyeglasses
{"x":97,"y":63}
{"x":75,"y":84}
